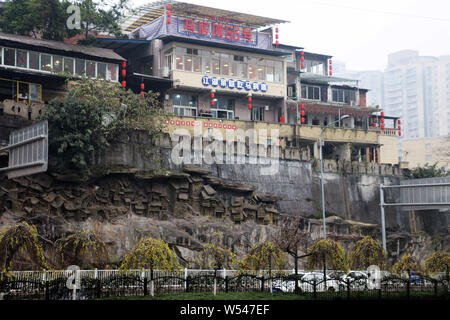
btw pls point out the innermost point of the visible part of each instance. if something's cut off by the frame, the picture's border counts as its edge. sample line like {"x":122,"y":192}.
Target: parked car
{"x":358,"y":281}
{"x":308,"y":280}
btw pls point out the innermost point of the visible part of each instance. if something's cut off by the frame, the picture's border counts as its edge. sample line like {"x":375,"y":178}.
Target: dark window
{"x":101,"y":70}
{"x":57,"y":63}
{"x":34,"y":60}
{"x":22,"y":59}
{"x":10,"y":57}
{"x":90,"y":69}
{"x":46,"y":62}
{"x":80,"y":68}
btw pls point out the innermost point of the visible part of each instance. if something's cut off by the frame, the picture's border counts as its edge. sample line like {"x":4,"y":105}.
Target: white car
{"x":308,"y":280}
{"x":358,"y":280}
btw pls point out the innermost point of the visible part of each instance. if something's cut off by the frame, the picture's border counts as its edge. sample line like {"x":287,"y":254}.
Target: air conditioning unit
{"x":266,"y":108}
{"x":164,"y":72}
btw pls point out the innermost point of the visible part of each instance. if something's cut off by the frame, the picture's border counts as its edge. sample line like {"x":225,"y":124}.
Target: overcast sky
{"x":360,"y":33}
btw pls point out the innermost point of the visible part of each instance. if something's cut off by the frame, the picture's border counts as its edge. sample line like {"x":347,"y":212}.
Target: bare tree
{"x":293,"y":240}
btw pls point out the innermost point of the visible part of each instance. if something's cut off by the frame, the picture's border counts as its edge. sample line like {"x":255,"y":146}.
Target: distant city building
{"x":418,"y":152}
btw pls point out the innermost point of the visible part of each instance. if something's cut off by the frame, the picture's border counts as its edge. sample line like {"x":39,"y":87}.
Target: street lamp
{"x":321,"y":173}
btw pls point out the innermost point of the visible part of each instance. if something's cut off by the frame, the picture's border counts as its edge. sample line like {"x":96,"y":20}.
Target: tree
{"x":264,"y":256}
{"x":84,"y":249}
{"x":38,"y":18}
{"x":94,"y":113}
{"x":20,"y":242}
{"x":367,"y":252}
{"x":406,"y":263}
{"x":214,"y":255}
{"x":427,"y":171}
{"x":150,"y":253}
{"x":101,"y":16}
{"x":327,"y":253}
{"x":439,"y":261}
{"x":290,"y":238}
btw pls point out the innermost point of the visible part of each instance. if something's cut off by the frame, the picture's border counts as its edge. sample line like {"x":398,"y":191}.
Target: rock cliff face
{"x":185,"y":205}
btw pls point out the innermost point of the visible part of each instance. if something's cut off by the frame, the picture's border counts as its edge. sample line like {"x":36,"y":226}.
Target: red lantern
{"x":382,"y":114}
{"x":276,"y":30}
{"x":142,"y":94}
{"x":330,"y":61}
{"x":302,"y":53}
{"x":382,"y":120}
{"x":400,"y":133}
{"x":249,"y":106}
{"x":124,"y":64}
{"x":382,"y":127}
{"x":399,"y":121}
{"x":169,"y":21}
{"x":276,"y":36}
{"x":374,"y":125}
{"x":249,"y":99}
{"x":331,"y":67}
{"x":169,"y":14}
{"x":302,"y":58}
{"x":303,"y":120}
{"x":124,"y":84}
{"x":169,"y":6}
{"x":142,"y":86}
{"x":302,"y":65}
{"x":212,"y":95}
{"x":302,"y":113}
{"x":374,"y":120}
{"x":331,"y":73}
{"x":302,"y":106}
{"x":212,"y":102}
{"x":399,"y":128}
{"x":277,"y":43}
{"x":124,"y":73}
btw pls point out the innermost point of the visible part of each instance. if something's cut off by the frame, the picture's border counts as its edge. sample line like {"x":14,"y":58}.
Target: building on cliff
{"x":31,"y":74}
{"x":227,"y":70}
{"x":215,"y":69}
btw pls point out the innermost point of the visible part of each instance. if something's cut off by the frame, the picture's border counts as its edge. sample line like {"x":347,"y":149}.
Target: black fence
{"x":314,"y":286}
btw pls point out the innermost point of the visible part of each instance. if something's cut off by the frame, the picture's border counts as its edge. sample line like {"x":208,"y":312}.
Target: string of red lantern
{"x":142,"y":90}
{"x":399,"y":127}
{"x":276,"y":37}
{"x":302,"y":59}
{"x":302,"y":113}
{"x":382,"y":120}
{"x":124,"y":73}
{"x":212,"y":99}
{"x":249,"y":102}
{"x":169,"y":13}
{"x":330,"y":64}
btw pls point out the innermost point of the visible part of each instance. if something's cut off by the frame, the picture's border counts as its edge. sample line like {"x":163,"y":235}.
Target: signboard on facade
{"x":28,"y":151}
{"x":217,"y":30}
{"x":234,"y":84}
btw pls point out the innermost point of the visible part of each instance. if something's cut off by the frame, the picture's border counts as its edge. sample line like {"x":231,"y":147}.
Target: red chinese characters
{"x":213,"y":29}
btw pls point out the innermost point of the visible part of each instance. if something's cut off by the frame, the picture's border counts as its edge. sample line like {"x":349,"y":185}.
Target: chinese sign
{"x":234,"y":84}
{"x":217,"y":30}
{"x":199,"y":124}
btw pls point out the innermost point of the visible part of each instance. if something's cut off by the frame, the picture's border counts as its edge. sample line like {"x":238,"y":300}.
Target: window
{"x":101,"y":70}
{"x":34,"y":60}
{"x":311,"y":92}
{"x":428,"y":146}
{"x":90,"y":69}
{"x":80,"y":67}
{"x":179,"y":52}
{"x":22,"y":58}
{"x":188,"y":63}
{"x":225,"y":63}
{"x":46,"y":62}
{"x":112,"y":72}
{"x":10,"y":57}
{"x":278,"y":71}
{"x":68,"y":65}
{"x":257,"y":114}
{"x":35,"y":92}
{"x":428,"y":157}
{"x":197,"y":64}
{"x":57,"y":63}
{"x":223,"y":109}
{"x":345,"y":96}
{"x":206,"y":63}
{"x":185,"y":105}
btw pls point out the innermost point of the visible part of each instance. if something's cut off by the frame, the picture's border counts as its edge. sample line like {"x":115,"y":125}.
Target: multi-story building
{"x":417,"y":90}
{"x":226,"y":70}
{"x":418,"y":152}
{"x":33,"y":72}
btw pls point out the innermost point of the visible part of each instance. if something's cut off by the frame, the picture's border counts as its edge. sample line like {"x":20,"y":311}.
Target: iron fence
{"x":99,"y":284}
